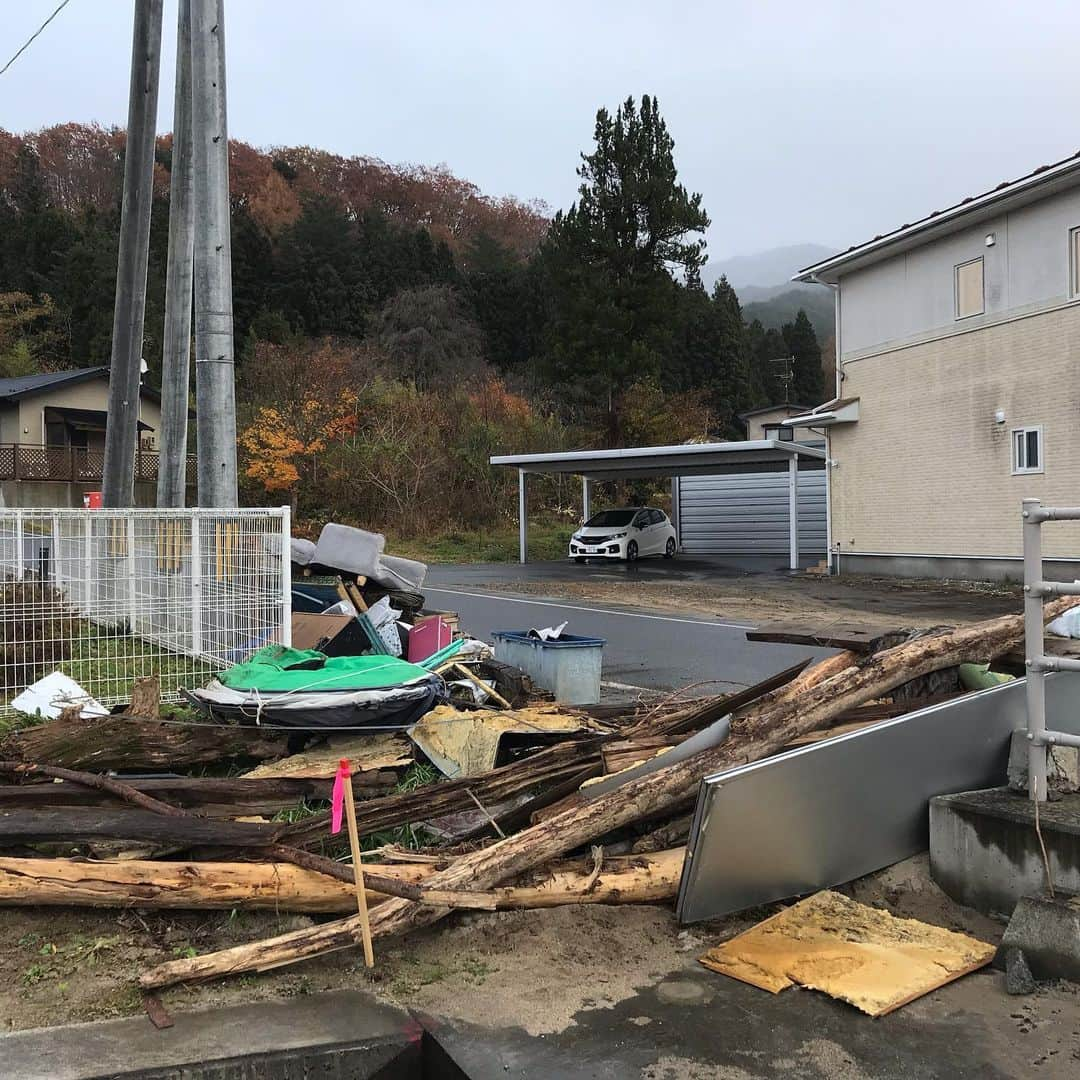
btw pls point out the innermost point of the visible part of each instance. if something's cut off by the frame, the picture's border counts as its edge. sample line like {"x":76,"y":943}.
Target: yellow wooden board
{"x":467,"y":743}
{"x":380,"y":751}
{"x":852,"y":952}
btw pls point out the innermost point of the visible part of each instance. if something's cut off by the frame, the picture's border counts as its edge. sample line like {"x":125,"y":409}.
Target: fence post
{"x":133,"y":605}
{"x":286,"y":577}
{"x":54,"y":551}
{"x":89,"y":580}
{"x":18,"y":545}
{"x":196,"y":586}
{"x":1033,"y":650}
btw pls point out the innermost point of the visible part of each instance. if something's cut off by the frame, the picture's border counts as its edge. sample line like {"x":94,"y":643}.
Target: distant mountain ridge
{"x":765,"y":270}
{"x":763,"y":283}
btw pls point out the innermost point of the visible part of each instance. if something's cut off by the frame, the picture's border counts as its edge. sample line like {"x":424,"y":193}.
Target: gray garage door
{"x":747,"y":513}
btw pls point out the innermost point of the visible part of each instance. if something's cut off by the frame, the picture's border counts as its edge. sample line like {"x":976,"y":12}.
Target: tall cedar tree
{"x":808,"y":385}
{"x":612,"y":300}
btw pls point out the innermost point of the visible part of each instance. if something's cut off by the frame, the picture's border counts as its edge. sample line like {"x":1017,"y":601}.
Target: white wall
{"x":911,"y":298}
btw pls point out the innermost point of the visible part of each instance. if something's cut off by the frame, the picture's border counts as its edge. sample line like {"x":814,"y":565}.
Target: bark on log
{"x":280,"y":886}
{"x":123,"y":742}
{"x":210,"y":796}
{"x":549,"y":766}
{"x":154,"y":884}
{"x":754,"y":736}
{"x":87,"y":824}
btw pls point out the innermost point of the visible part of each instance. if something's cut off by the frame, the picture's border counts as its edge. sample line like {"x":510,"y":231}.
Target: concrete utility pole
{"x":215,"y":399}
{"x":172,"y":464}
{"x":121,"y":434}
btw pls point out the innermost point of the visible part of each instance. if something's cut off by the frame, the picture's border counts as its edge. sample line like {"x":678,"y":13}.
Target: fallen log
{"x":125,"y":742}
{"x":210,"y":796}
{"x":282,"y":887}
{"x":89,"y":824}
{"x":210,"y":885}
{"x":181,"y":827}
{"x":546,"y":767}
{"x":756,"y":735}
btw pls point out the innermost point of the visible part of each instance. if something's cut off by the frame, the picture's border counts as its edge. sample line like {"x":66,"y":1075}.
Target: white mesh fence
{"x":107,"y":596}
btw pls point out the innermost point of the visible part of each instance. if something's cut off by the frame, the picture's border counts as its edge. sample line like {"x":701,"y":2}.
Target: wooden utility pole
{"x":172,"y":463}
{"x":121,"y":434}
{"x":215,"y":400}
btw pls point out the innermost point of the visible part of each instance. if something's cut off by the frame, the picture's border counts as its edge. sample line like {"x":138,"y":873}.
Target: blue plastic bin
{"x":569,"y":667}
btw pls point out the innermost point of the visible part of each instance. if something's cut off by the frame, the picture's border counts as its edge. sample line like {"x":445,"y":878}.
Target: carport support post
{"x":793,"y":510}
{"x":523,"y":518}
{"x":586,"y":498}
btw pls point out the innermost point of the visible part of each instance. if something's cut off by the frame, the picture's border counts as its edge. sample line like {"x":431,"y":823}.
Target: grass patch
{"x":547,"y":540}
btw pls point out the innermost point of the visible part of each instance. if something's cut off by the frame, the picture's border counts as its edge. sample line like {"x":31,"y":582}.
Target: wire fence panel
{"x":107,"y":596}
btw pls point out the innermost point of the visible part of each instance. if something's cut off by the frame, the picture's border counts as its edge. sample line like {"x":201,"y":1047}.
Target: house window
{"x":1027,"y":450}
{"x":1074,"y":263}
{"x":969,"y":289}
{"x":776,"y":431}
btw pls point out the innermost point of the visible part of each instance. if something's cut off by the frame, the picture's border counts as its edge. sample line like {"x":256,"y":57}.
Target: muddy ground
{"x":532,"y":969}
{"x":817,"y":604}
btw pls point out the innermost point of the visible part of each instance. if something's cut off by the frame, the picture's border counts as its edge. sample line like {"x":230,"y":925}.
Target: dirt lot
{"x":821,"y":604}
{"x":532,"y":970}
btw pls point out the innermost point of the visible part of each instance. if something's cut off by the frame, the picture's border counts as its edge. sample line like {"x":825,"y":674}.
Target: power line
{"x":34,"y":36}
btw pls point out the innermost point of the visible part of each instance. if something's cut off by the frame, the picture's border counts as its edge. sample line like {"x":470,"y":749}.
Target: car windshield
{"x":608,"y":519}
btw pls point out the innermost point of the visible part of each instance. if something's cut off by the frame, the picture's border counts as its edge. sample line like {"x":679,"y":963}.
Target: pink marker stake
{"x":342,"y":798}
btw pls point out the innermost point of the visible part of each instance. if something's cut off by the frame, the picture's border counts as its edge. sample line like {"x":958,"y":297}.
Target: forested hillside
{"x":395,"y":326}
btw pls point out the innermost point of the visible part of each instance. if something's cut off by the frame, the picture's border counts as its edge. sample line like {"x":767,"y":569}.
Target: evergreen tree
{"x":608,"y":261}
{"x":808,"y":384}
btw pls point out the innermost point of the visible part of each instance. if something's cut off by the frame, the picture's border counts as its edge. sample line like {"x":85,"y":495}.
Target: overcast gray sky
{"x":798,"y":121}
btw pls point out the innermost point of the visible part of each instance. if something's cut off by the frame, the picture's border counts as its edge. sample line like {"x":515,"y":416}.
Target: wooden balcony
{"x":72,"y":464}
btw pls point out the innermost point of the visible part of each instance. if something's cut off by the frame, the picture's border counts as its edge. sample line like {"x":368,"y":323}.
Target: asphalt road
{"x":643,"y":650}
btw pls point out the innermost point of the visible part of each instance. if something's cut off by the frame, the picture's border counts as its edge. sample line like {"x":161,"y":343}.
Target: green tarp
{"x":275,"y":669}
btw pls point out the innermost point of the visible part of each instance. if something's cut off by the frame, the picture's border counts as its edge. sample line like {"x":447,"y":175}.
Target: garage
{"x":747,"y":513}
{"x":755,"y":497}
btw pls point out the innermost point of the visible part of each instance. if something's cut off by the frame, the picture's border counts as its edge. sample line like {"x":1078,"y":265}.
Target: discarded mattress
{"x":342,"y":549}
{"x":307,"y":689}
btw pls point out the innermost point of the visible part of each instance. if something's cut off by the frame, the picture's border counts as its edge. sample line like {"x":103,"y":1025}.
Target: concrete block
{"x":984,"y":851}
{"x":1063,"y":766}
{"x":1045,"y":931}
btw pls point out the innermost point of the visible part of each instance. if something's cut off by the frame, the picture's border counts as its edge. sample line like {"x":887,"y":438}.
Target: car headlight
{"x":618,"y":536}
{"x":576,"y":537}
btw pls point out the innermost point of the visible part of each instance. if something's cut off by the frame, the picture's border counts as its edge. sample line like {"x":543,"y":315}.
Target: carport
{"x":692,"y":459}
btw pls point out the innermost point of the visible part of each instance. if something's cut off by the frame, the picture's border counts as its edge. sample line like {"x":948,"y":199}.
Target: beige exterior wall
{"x":926,"y":470}
{"x":93,"y":394}
{"x":755,"y":425}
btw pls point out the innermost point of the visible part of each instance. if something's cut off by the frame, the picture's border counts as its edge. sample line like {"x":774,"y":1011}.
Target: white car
{"x":624,"y":534}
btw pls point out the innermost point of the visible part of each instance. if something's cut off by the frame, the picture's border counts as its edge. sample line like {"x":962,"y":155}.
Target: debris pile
{"x":504,"y":799}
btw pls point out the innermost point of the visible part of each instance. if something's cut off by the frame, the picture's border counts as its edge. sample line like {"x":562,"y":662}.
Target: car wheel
{"x":669,"y":551}
{"x":579,"y":558}
{"x":631,"y":551}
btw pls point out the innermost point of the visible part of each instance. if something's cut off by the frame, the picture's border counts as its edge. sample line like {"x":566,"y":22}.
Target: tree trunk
{"x":125,"y":742}
{"x":756,"y":735}
{"x":152,"y":884}
{"x":89,"y":824}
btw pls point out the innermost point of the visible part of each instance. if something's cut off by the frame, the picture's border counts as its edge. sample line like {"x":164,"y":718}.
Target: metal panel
{"x":747,"y":513}
{"x":827,"y":813}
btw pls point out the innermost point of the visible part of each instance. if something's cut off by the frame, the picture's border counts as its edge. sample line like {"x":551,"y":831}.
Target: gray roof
{"x":27,"y":385}
{"x":1008,"y":195}
{"x":686,"y":459}
{"x":12,"y":390}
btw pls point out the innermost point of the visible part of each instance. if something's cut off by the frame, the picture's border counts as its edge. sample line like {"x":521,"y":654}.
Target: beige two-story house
{"x":958,"y":384}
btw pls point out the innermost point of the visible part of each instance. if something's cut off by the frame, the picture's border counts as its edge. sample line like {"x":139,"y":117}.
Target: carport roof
{"x":690,"y":459}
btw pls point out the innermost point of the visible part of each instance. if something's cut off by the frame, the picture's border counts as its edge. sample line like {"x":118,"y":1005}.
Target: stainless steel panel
{"x":747,"y":513}
{"x":824,"y":814}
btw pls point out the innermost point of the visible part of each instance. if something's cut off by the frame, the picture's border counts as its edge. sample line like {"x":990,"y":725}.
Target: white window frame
{"x":1074,"y":263}
{"x":1024,"y":470}
{"x":956,"y":288}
